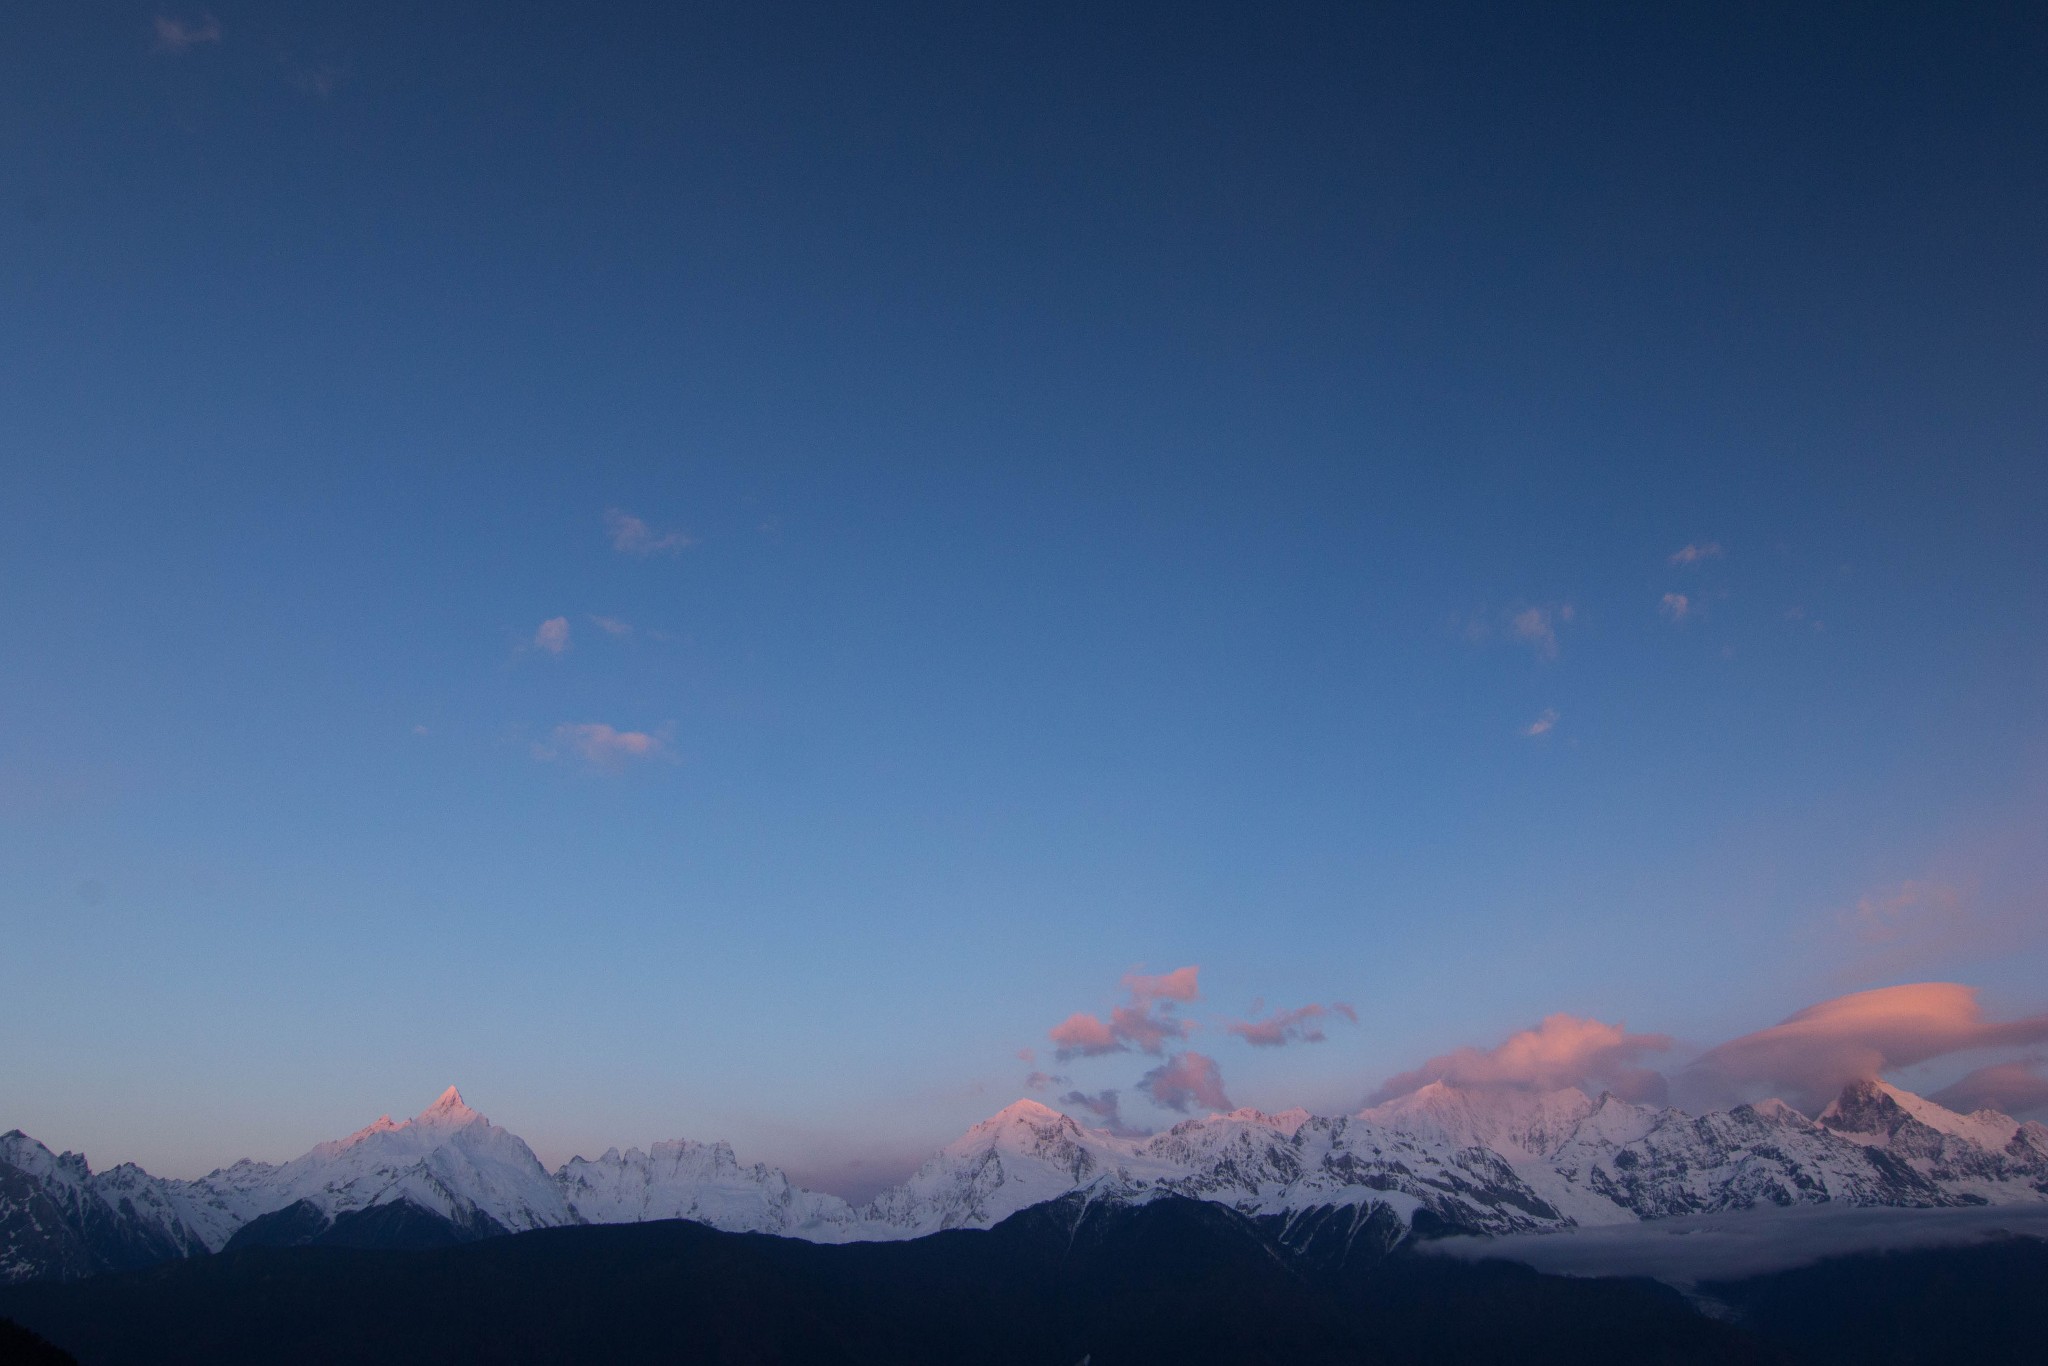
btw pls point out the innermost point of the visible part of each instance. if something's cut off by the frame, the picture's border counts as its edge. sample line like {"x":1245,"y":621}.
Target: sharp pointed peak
{"x":448,"y":1108}
{"x":1859,"y":1093}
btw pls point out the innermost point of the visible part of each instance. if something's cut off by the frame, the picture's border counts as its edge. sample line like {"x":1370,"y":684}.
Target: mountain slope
{"x":1439,"y":1160}
{"x":1172,"y":1281}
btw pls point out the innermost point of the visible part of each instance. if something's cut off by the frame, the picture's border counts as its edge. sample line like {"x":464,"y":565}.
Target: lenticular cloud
{"x":1809,"y":1057}
{"x":1564,"y":1050}
{"x":2013,"y":1088}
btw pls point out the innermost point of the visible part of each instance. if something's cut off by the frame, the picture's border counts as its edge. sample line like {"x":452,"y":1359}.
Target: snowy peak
{"x":1775,"y":1111}
{"x":683,"y":1179}
{"x":1477,"y":1160}
{"x":1285,"y":1122}
{"x":448,"y":1112}
{"x":1874,"y":1112}
{"x":1023,"y":1111}
{"x":382,"y":1124}
{"x":1986,"y":1128}
{"x":1508,"y":1120}
{"x":1022,"y":1126}
{"x":1866,"y":1110}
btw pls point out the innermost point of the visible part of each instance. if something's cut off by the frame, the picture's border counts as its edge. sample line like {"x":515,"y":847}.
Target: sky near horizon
{"x":762,"y":571}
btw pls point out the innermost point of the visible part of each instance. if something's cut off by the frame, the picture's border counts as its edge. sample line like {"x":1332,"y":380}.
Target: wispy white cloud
{"x":1538,"y":626}
{"x":632,"y":536}
{"x":1543,"y":724}
{"x":603,"y":747}
{"x":612,"y":626}
{"x":1676,"y":606}
{"x":1914,"y":909}
{"x":174,"y":36}
{"x":1797,"y":614}
{"x":1699,"y":550}
{"x":553,"y":635}
{"x":320,"y":82}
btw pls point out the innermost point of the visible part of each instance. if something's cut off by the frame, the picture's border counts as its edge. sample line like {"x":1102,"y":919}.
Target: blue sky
{"x":1140,"y":481}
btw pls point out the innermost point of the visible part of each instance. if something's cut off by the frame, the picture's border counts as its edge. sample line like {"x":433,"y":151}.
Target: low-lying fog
{"x":1728,"y":1246}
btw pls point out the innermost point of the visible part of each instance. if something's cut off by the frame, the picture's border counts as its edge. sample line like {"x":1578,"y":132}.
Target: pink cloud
{"x":553,"y":635}
{"x":1300,"y":1025}
{"x":1543,"y":724}
{"x":1693,"y":554}
{"x":1564,"y":1050}
{"x":631,"y":536}
{"x":601,"y":746}
{"x":1146,"y":1024}
{"x":1810,"y":1056}
{"x":1147,"y":1028}
{"x":182,"y":35}
{"x":1184,"y":1080}
{"x":1676,"y":606}
{"x":1178,"y":985}
{"x":1081,"y":1035}
{"x":612,"y":626}
{"x":2013,"y":1088}
{"x":1042,"y":1081}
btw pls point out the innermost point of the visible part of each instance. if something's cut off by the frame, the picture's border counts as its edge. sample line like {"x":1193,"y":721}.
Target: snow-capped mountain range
{"x":1437,"y":1160}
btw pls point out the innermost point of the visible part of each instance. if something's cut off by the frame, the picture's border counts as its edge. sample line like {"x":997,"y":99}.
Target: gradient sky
{"x":1033,"y":495}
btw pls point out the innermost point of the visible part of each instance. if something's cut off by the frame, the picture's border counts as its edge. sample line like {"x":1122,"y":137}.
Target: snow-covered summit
{"x":702,"y":1181}
{"x":1873,"y":1111}
{"x":447,"y":1112}
{"x":1505,"y":1119}
{"x":1440,"y":1158}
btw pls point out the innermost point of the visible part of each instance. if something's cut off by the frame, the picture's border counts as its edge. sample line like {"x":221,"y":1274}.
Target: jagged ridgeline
{"x":1437,"y":1161}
